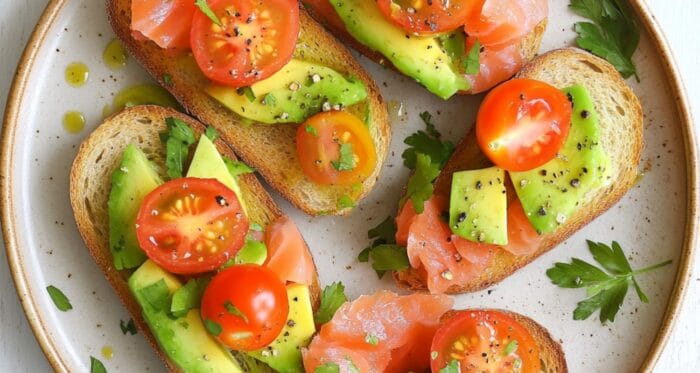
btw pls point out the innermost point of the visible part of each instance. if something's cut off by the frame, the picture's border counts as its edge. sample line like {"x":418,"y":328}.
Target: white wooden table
{"x":19,"y":351}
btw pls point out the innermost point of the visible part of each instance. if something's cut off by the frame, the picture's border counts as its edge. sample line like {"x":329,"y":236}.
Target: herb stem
{"x":651,"y":268}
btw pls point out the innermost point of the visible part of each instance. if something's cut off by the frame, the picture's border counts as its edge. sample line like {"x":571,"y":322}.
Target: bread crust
{"x":551,"y":353}
{"x":621,"y":139}
{"x":90,"y":181}
{"x":270,"y":149}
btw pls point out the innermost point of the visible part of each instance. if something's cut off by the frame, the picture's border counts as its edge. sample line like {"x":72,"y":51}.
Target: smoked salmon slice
{"x":165,"y":22}
{"x":287,"y":253}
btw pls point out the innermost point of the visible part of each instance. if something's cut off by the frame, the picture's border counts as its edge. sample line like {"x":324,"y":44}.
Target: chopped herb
{"x":511,"y":347}
{"x":371,"y":339}
{"x":211,"y":133}
{"x":471,"y":63}
{"x":233,"y":310}
{"x":312,"y":130}
{"x":346,"y":202}
{"x":204,"y":8}
{"x":256,"y":227}
{"x":352,"y":368}
{"x":382,"y":234}
{"x":96,"y":366}
{"x":427,"y":142}
{"x":452,"y":367}
{"x":269,"y":100}
{"x":59,"y":299}
{"x":420,"y":184}
{"x":167,"y":79}
{"x":188,"y":296}
{"x":177,"y":140}
{"x":606,"y":288}
{"x":613,"y":35}
{"x":332,"y":297}
{"x":236,"y":168}
{"x":212,"y":327}
{"x":157,"y":295}
{"x":248,"y":92}
{"x":327,"y":368}
{"x":128,"y":327}
{"x":389,"y":258}
{"x":346,"y":160}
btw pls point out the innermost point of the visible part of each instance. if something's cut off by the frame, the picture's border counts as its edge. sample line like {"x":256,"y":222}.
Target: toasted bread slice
{"x":621,"y":122}
{"x":91,"y":180}
{"x":270,"y":149}
{"x":529,"y":46}
{"x":551,"y":355}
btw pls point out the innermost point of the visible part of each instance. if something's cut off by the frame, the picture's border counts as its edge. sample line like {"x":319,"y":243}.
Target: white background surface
{"x":19,"y":351}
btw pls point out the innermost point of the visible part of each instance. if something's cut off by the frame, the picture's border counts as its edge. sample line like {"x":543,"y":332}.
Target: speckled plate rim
{"x":28,"y":299}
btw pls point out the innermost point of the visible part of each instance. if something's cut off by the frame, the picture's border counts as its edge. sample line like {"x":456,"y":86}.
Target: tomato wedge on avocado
{"x":523,"y":123}
{"x":485,"y":341}
{"x":429,"y":16}
{"x":254,"y":39}
{"x":191,"y":225}
{"x":246,"y":307}
{"x":335,"y":147}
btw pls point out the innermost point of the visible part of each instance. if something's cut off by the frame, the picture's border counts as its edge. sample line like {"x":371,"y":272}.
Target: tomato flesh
{"x":191,"y":225}
{"x":249,"y":303}
{"x":523,"y":123}
{"x":255,"y":39}
{"x":319,"y":142}
{"x":428,"y":16}
{"x":485,"y":341}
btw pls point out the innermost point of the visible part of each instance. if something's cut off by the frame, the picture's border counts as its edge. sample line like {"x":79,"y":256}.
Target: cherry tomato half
{"x":428,"y":16}
{"x":191,"y":225}
{"x":319,"y":143}
{"x":255,"y":39}
{"x":248,"y":304}
{"x":485,"y":341}
{"x":523,"y":123}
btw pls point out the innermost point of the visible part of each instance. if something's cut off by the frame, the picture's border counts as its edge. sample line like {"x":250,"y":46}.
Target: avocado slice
{"x":185,"y":340}
{"x":421,"y":58}
{"x":478,"y":206}
{"x":299,"y":90}
{"x":207,"y":163}
{"x":284,"y":354}
{"x":135,"y":177}
{"x":550,"y":194}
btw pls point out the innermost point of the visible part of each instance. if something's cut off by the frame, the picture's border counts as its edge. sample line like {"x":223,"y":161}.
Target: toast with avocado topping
{"x":98,"y":165}
{"x":265,"y":142}
{"x":620,"y":123}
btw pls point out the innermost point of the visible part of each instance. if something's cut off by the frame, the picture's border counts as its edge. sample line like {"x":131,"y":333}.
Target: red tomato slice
{"x":429,"y":16}
{"x":191,"y":225}
{"x":287,"y":253}
{"x":256,"y":38}
{"x":523,"y":123}
{"x":485,"y":341}
{"x":319,"y":143}
{"x":248,"y":303}
{"x":166,"y":23}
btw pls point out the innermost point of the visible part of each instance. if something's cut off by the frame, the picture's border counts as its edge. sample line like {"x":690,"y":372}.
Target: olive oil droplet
{"x":114,"y":55}
{"x":107,"y":352}
{"x":77,"y":74}
{"x":73,"y":121}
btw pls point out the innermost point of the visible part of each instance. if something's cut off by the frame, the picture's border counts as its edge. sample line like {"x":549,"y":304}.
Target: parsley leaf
{"x":420,"y":184}
{"x":327,"y":368}
{"x":606,"y":288}
{"x":59,"y":299}
{"x":269,"y":100}
{"x":248,"y":92}
{"x":332,"y":297}
{"x":427,"y":142}
{"x":454,"y":44}
{"x":346,"y":202}
{"x":236,"y":168}
{"x":452,"y":367}
{"x":511,"y":347}
{"x":233,"y":310}
{"x":371,"y":339}
{"x":382,"y":234}
{"x":613,"y":34}
{"x":346,"y":160}
{"x":157,"y":295}
{"x":312,"y":130}
{"x":471,"y":63}
{"x":96,"y":366}
{"x":188,"y":296}
{"x":128,"y":327}
{"x":211,"y":133}
{"x":204,"y":8}
{"x":177,"y":141}
{"x":389,"y":258}
{"x":213,"y":327}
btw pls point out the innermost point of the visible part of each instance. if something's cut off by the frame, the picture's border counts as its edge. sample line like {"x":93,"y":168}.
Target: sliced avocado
{"x":135,"y":177}
{"x":421,"y":58}
{"x":296,"y":92}
{"x":207,"y":163}
{"x":253,"y":252}
{"x":478,"y":206}
{"x":284,"y":354}
{"x":550,"y":194}
{"x":185,"y":340}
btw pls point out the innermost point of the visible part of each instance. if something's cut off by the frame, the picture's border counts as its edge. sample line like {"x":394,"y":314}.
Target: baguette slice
{"x":621,"y":121}
{"x":529,"y":46}
{"x":90,"y":184}
{"x":551,"y":355}
{"x":270,"y":149}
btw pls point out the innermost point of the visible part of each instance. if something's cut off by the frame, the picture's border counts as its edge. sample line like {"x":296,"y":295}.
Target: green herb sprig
{"x":332,"y":297}
{"x":383,"y":251}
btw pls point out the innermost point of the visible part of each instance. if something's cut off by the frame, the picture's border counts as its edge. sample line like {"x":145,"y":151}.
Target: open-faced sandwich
{"x":290,"y":99}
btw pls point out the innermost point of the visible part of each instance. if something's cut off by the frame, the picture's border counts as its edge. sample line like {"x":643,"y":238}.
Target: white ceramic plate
{"x":653,"y":222}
